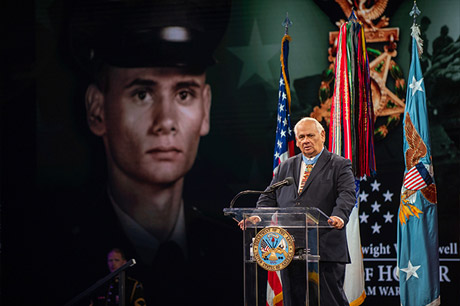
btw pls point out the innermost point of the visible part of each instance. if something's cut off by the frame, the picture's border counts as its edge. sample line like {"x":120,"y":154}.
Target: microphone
{"x":286,"y":182}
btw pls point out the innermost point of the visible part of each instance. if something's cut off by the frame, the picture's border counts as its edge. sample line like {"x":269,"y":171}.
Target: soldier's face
{"x":115,"y":261}
{"x":152,"y":120}
{"x":308,"y":139}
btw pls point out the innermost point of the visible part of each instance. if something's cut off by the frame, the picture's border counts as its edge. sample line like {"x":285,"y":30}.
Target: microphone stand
{"x":270,"y":189}
{"x":247,"y":192}
{"x":121,"y":271}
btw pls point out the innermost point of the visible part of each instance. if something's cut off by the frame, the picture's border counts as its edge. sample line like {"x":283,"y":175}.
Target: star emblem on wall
{"x":375,"y":207}
{"x":255,"y":57}
{"x":375,"y":186}
{"x":363,"y":217}
{"x":388,"y":195}
{"x":388,"y":217}
{"x":363,"y":196}
{"x":376,"y":228}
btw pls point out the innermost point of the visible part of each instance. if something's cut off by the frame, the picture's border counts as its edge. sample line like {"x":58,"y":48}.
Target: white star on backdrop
{"x":283,"y":133}
{"x":363,"y":217}
{"x":363,"y":196}
{"x":375,"y":185}
{"x":388,"y":217}
{"x":255,"y":57}
{"x":416,"y":85}
{"x":376,"y":228}
{"x":375,"y":207}
{"x":388,"y":195}
{"x":410,"y":271}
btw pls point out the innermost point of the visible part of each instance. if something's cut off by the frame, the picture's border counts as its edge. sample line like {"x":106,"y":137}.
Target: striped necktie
{"x":306,"y":174}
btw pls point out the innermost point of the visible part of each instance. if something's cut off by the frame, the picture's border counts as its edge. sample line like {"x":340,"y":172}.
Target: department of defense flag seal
{"x":273,"y":248}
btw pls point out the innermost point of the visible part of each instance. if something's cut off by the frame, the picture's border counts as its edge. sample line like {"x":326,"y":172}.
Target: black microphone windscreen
{"x":289,"y":180}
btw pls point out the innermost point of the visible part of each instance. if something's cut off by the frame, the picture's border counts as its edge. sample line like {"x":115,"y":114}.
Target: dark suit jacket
{"x":211,"y":274}
{"x":330,"y":187}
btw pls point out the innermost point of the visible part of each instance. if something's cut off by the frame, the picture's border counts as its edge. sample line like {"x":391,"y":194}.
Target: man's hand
{"x":336,"y":222}
{"x":250,"y":220}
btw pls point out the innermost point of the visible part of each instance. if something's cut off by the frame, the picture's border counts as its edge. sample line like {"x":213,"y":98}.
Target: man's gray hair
{"x":305,"y":119}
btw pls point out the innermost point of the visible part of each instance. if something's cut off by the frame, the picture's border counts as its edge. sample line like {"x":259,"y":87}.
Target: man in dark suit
{"x":323,"y":180}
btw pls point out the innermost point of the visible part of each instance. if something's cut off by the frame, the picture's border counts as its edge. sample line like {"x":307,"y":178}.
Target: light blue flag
{"x":418,"y":257}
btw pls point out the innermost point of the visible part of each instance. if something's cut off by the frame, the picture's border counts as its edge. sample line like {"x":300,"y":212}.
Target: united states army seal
{"x":273,"y":248}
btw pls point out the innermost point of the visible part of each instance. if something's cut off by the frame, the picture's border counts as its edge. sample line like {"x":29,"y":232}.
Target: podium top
{"x":288,"y":216}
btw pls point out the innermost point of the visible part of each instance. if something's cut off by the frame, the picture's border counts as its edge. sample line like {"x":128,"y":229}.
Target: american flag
{"x":417,"y":177}
{"x":264,"y":246}
{"x":284,"y":148}
{"x":284,"y":143}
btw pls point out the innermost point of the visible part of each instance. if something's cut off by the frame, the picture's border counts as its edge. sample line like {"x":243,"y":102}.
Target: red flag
{"x":274,"y":289}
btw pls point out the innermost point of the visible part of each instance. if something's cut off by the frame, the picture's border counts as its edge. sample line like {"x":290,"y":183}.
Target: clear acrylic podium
{"x":284,"y":240}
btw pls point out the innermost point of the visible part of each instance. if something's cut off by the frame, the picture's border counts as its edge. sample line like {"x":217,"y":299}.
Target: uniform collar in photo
{"x":145,"y":243}
{"x":313,"y":160}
